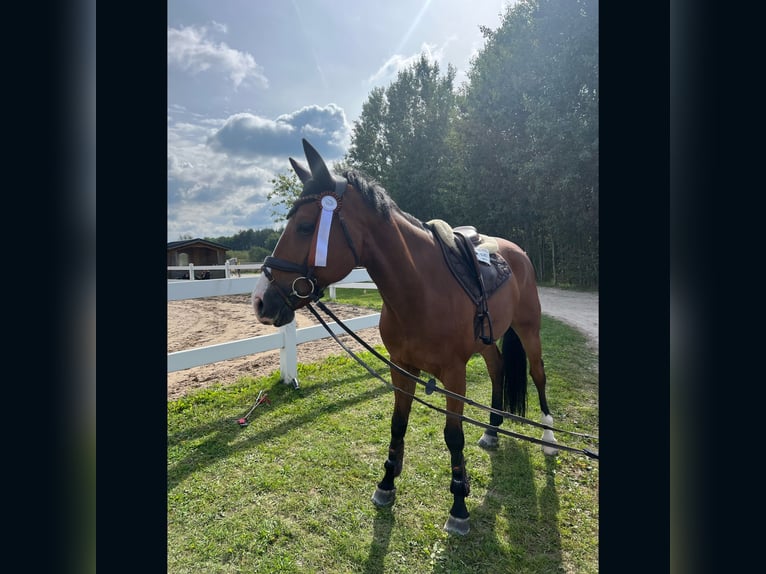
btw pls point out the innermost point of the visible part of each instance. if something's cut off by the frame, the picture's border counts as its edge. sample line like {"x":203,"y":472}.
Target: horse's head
{"x":315,"y":249}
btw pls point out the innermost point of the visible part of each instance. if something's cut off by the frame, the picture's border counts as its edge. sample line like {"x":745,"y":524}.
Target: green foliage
{"x":250,"y":246}
{"x":291,"y":491}
{"x":287,"y":188}
{"x":399,"y":138}
{"x":257,"y":254}
{"x":241,"y":255}
{"x":244,"y":240}
{"x":515,"y":151}
{"x":531,"y":124}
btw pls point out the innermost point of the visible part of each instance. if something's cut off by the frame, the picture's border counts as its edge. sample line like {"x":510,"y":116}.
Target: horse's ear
{"x":303,"y":174}
{"x":318,"y":168}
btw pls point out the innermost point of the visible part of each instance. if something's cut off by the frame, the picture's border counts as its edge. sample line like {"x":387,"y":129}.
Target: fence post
{"x":191,"y":271}
{"x":288,"y":355}
{"x":227,"y":271}
{"x":332,"y":292}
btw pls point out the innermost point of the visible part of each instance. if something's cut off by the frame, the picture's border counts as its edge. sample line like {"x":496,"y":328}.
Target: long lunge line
{"x":585,"y":451}
{"x":430,"y":385}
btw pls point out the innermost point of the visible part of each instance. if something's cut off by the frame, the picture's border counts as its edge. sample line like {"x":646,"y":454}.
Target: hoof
{"x":383,"y":498}
{"x":488,"y":442}
{"x":549,"y":450}
{"x":548,"y":437}
{"x":459,"y":526}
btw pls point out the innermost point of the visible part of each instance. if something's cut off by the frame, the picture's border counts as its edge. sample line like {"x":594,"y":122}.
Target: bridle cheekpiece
{"x":306,"y":286}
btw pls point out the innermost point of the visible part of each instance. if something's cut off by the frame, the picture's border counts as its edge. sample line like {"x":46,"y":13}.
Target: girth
{"x":478,"y":279}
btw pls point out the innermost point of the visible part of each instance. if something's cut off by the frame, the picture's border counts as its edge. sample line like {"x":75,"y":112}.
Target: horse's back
{"x":517,"y":258}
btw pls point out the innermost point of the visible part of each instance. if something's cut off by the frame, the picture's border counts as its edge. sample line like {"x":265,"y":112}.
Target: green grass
{"x":360,"y":297}
{"x":291,"y":491}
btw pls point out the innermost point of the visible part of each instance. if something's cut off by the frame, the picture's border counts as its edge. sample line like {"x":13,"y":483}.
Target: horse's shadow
{"x":530,"y":516}
{"x":533,"y":527}
{"x":385,"y":519}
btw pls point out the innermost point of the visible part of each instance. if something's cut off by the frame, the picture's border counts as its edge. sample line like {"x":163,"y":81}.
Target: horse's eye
{"x":306,"y":228}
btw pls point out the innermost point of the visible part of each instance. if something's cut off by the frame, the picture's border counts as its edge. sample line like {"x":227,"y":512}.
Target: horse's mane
{"x":377,"y":197}
{"x":373,"y":193}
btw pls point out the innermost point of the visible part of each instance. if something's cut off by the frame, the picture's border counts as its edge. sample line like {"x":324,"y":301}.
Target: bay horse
{"x":427,"y":321}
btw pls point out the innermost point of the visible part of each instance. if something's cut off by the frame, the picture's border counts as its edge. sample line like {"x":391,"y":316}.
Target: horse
{"x":234,"y":261}
{"x":427,"y":323}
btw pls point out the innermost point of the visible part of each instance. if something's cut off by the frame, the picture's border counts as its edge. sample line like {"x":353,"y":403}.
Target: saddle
{"x":473,"y":260}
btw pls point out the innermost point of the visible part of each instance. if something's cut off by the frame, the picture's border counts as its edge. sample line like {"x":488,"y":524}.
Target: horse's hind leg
{"x":530,"y":338}
{"x":494,"y":361}
{"x":460,"y":487}
{"x":385,"y":493}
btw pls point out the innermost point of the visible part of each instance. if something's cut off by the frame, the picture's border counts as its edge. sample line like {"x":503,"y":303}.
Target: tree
{"x":400,"y":137}
{"x":257,"y":254}
{"x":287,"y":188}
{"x":368,"y":145}
{"x":529,"y":135}
{"x":513,"y":152}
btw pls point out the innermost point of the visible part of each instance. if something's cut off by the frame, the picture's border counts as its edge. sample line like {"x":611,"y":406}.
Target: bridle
{"x":305,"y":286}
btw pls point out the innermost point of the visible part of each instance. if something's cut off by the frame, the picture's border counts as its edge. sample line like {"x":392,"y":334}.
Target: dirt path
{"x":200,"y":322}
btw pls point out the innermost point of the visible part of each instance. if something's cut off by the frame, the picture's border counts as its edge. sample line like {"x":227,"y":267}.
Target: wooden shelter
{"x":199,"y":252}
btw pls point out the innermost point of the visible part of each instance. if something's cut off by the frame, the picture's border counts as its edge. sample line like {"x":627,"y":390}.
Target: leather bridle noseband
{"x":305,"y":286}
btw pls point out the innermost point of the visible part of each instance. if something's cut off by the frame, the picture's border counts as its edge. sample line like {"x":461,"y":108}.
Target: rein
{"x":430,"y":387}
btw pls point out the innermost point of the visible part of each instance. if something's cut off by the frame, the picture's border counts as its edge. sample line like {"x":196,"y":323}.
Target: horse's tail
{"x":514,"y":374}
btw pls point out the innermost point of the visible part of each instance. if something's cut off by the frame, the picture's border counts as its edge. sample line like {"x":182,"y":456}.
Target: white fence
{"x":285,"y":339}
{"x":230,"y":269}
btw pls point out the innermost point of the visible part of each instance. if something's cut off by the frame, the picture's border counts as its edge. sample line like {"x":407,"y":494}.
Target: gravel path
{"x":576,"y":308}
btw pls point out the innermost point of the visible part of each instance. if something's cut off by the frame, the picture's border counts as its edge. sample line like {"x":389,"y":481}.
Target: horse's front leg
{"x":385,"y":493}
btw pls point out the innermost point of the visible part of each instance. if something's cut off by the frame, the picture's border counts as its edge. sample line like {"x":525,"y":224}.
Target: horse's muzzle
{"x":269,"y":304}
{"x":271,"y":309}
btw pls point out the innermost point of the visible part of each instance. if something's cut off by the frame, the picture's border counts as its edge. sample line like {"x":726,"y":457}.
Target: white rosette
{"x":329,"y":205}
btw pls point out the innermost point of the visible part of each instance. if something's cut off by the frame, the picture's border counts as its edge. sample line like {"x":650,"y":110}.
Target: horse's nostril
{"x":258,"y":305}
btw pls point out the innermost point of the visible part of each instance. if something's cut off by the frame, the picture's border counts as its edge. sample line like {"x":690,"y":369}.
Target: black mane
{"x":377,"y":197}
{"x":373,"y":193}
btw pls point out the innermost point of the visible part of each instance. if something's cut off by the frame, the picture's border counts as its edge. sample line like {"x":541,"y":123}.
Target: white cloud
{"x":190,"y":49}
{"x":388,"y":71}
{"x":211,"y":194}
{"x":223,"y":28}
{"x":248,"y":135}
{"x":220,"y":170}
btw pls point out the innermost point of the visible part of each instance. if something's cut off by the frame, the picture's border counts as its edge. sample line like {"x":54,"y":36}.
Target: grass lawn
{"x":291,"y":491}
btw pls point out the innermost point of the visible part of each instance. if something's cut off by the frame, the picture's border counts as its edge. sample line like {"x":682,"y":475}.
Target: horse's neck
{"x":398,"y":258}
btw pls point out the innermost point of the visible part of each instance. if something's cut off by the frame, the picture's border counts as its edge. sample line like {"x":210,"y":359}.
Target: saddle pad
{"x":447,"y":235}
{"x":493,"y":274}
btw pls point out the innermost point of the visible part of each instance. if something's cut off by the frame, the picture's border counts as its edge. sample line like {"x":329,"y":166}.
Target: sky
{"x":247,"y":79}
